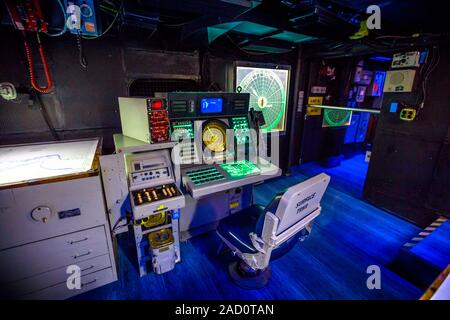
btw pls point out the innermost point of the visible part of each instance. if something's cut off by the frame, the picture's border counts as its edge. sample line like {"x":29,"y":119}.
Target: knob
{"x":41,"y":214}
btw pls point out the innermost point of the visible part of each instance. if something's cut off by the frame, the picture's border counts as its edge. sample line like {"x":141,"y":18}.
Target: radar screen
{"x":268,"y":90}
{"x":214,"y":135}
{"x":336,"y":118}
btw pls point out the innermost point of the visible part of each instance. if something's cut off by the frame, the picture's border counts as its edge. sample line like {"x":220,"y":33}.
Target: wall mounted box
{"x":399,"y":81}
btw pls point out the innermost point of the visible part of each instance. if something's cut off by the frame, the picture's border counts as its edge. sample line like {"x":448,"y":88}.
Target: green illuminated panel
{"x":336,"y":118}
{"x":205,"y":175}
{"x":240,"y":168}
{"x":182,"y":130}
{"x":241,"y":129}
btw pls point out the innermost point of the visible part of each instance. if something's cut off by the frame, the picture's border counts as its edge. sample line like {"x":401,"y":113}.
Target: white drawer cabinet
{"x":72,"y":205}
{"x":41,"y":256}
{"x":88,"y":282}
{"x":37,"y":245}
{"x":27,"y":286}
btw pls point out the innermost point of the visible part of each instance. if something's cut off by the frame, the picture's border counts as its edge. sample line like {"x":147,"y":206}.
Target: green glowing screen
{"x":205,"y":175}
{"x":268,"y":90}
{"x":240,"y":168}
{"x":336,"y":118}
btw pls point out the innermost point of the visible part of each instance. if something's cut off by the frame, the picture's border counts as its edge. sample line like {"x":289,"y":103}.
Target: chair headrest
{"x":300,"y":200}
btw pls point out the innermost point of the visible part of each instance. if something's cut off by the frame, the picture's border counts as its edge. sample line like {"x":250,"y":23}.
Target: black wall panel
{"x":84,"y":101}
{"x":408,"y":172}
{"x":439,"y":195}
{"x":400,"y":173}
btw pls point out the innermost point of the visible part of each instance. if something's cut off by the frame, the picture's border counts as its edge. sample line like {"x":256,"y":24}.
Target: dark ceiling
{"x":271,"y":26}
{"x":406,"y":15}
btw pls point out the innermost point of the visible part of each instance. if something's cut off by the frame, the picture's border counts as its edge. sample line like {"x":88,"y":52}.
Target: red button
{"x":157,"y":104}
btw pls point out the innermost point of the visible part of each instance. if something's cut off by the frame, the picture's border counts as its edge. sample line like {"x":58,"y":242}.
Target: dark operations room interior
{"x":224,"y":149}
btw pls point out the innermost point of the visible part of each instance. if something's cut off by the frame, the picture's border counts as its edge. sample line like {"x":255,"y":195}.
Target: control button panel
{"x":241,"y":168}
{"x":152,"y":194}
{"x":205,"y":175}
{"x":148,"y":175}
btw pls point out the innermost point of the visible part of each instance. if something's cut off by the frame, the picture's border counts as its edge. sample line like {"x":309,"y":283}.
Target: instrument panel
{"x":207,"y":179}
{"x":202,"y":105}
{"x":214,"y":135}
{"x":213,"y":132}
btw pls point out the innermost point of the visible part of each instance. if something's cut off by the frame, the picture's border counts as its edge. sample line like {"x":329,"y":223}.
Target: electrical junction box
{"x":406,"y":60}
{"x":399,"y":80}
{"x":408,"y":114}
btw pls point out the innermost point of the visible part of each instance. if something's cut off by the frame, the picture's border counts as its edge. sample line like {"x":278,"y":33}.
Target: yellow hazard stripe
{"x":426,"y":232}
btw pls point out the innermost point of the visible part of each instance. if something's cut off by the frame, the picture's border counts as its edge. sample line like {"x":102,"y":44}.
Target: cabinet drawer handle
{"x":88,"y":268}
{"x":76,"y":241}
{"x":82,"y":255}
{"x":88,"y":283}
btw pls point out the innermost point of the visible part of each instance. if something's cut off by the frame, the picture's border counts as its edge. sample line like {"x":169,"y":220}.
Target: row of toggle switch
{"x":152,"y":194}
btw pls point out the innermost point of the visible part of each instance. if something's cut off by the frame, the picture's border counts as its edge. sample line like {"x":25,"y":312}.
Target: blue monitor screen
{"x":211,"y":105}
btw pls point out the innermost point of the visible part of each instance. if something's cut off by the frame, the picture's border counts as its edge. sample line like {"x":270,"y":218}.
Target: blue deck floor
{"x":348,"y":177}
{"x":421,"y":262}
{"x":349,"y":236}
{"x":435,"y":248}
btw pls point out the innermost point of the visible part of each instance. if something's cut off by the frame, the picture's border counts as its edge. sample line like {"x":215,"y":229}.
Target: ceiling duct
{"x":317,"y":21}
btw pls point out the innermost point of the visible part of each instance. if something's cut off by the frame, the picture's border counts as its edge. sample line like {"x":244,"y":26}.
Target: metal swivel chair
{"x":258,"y":235}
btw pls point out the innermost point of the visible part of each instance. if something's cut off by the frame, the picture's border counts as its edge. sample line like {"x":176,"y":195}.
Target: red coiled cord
{"x":48,"y":76}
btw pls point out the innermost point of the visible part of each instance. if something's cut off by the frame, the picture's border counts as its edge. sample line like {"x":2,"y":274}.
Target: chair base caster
{"x":247,"y":278}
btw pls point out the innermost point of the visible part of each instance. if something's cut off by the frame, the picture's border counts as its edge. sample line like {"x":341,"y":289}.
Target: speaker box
{"x":399,"y":81}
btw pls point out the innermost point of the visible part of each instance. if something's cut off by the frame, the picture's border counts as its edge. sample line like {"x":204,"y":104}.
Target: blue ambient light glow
{"x":381,"y":58}
{"x":211,"y":105}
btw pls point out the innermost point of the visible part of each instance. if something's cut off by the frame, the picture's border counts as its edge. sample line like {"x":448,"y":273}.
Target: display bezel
{"x":215,"y":111}
{"x":269,"y":66}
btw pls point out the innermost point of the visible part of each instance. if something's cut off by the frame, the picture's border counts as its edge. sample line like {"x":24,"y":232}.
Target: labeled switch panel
{"x":149,"y":175}
{"x":406,"y":60}
{"x":153,"y":194}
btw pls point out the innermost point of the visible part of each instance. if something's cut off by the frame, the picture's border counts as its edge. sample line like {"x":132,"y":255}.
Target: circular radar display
{"x":336,"y":118}
{"x":267,"y":94}
{"x":214,"y":135}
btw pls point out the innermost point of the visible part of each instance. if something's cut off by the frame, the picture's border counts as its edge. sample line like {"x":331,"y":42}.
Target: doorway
{"x":338,"y":136}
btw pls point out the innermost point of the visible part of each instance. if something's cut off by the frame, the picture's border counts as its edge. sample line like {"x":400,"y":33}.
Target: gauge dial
{"x":214,"y":135}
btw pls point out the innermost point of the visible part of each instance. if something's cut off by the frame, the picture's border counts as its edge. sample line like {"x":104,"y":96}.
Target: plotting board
{"x":24,"y":163}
